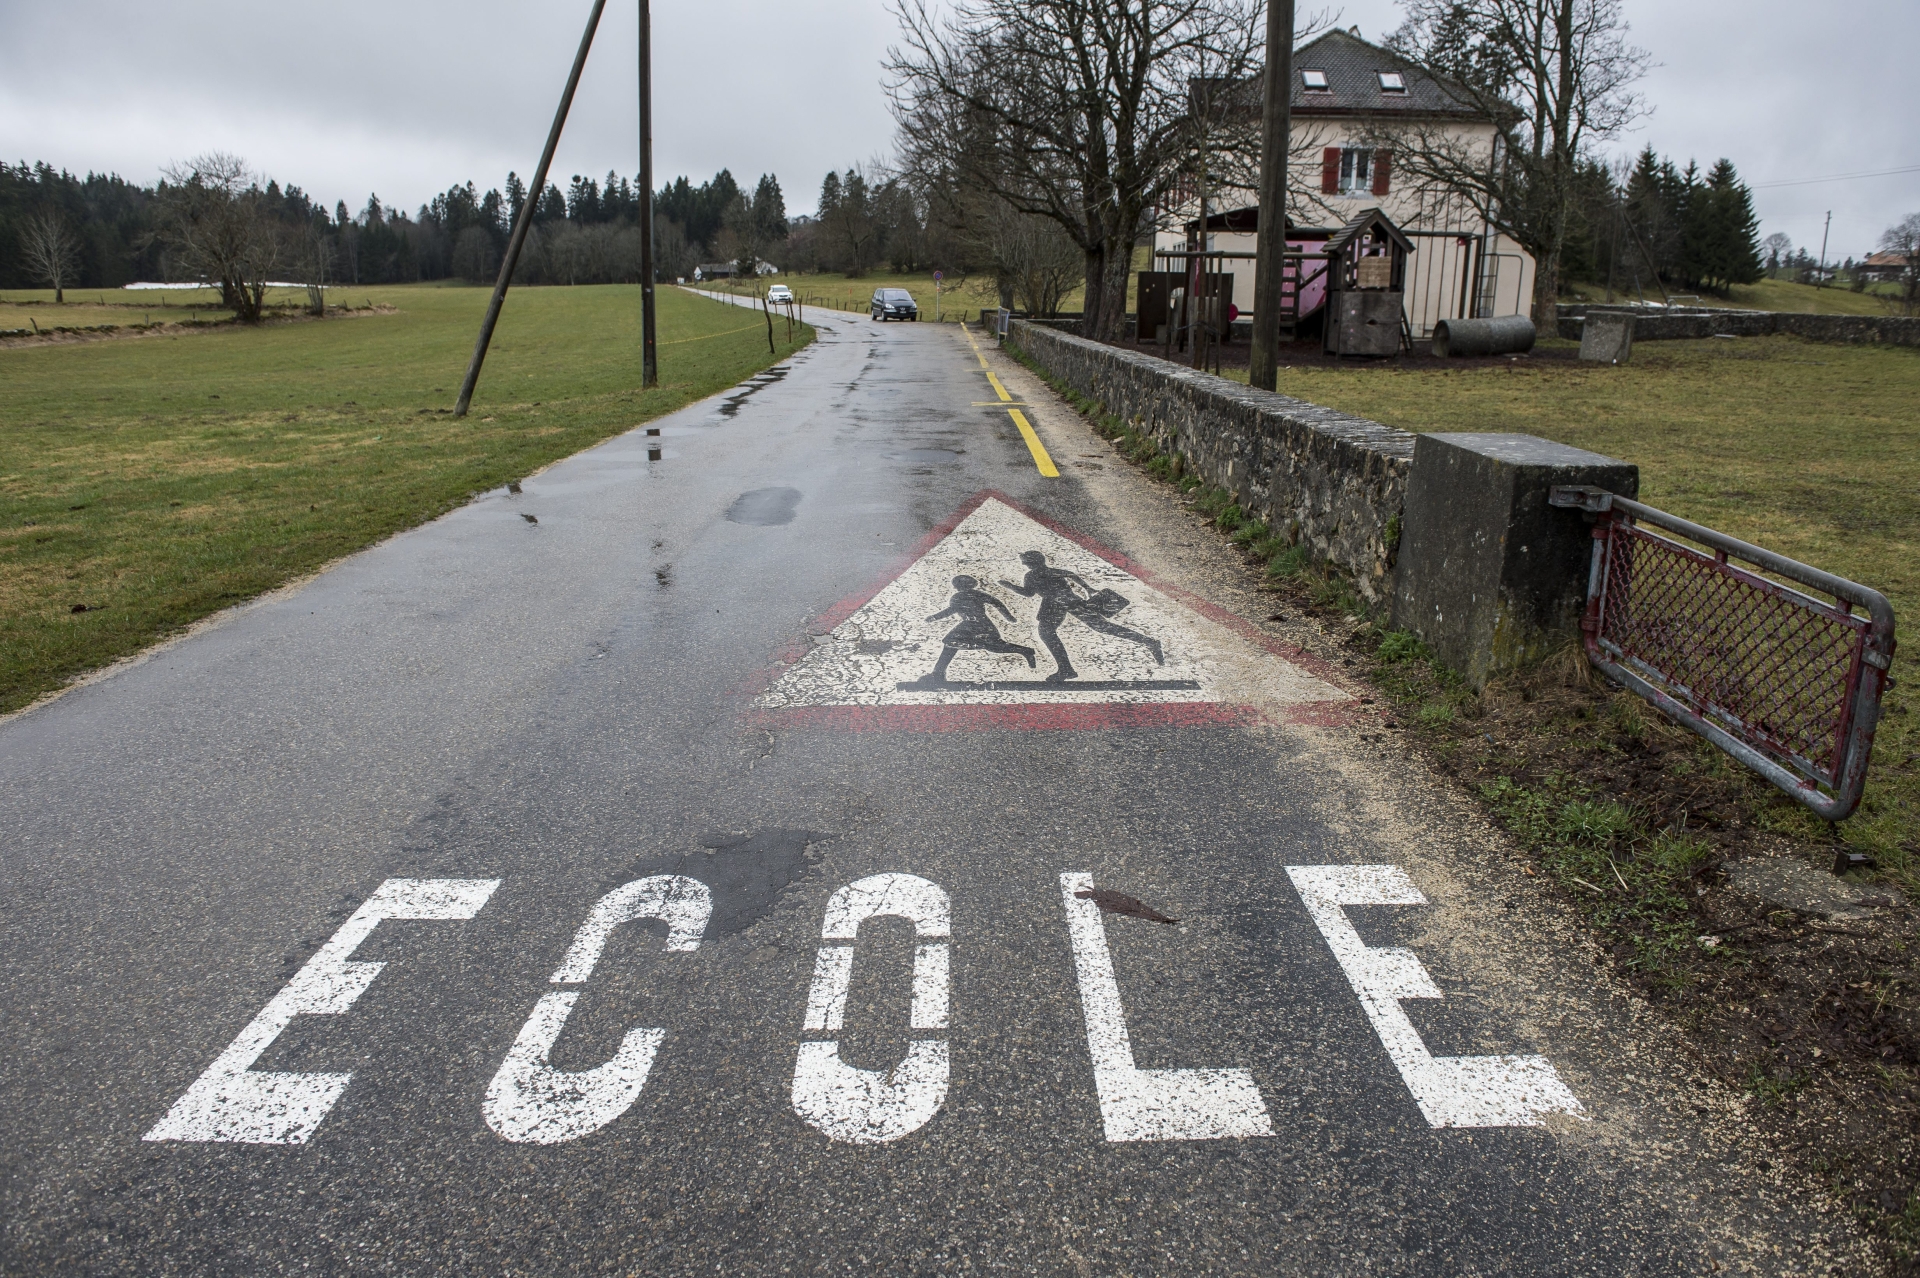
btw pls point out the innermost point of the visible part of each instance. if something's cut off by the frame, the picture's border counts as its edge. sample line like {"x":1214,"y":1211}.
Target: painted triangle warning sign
{"x":1004,"y":618}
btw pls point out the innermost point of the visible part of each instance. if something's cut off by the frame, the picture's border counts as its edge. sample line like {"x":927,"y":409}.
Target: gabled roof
{"x":1367,"y":222}
{"x":1353,"y":68}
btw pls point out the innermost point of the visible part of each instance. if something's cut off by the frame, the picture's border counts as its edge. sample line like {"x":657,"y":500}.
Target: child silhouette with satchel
{"x":976,"y":629}
{"x":1058,"y":601}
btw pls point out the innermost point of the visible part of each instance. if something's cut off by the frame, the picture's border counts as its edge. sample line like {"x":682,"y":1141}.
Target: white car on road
{"x":779,"y":295}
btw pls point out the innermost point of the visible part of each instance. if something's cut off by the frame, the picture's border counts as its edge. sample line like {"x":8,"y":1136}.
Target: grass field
{"x":155,"y":479}
{"x":1810,"y":450}
{"x":1767,"y":295}
{"x":21,"y":308}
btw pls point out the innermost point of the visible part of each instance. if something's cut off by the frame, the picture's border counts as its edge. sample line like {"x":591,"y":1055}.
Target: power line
{"x":1837,"y":177}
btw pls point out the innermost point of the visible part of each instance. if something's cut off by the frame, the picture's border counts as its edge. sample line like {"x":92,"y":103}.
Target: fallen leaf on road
{"x":1120,"y":903}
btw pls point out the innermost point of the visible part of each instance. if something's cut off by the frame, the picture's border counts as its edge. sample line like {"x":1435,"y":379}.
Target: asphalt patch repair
{"x":1812,"y":1020}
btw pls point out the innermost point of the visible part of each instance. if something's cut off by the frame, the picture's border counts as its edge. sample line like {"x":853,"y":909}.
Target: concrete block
{"x":1489,"y":574}
{"x":1606,"y":338}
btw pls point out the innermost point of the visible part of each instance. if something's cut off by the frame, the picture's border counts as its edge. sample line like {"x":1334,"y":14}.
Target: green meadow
{"x":148,"y":480}
{"x":1808,"y":449}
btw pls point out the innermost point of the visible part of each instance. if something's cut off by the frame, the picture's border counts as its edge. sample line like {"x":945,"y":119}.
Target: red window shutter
{"x":1382,"y":171}
{"x":1330,"y":171}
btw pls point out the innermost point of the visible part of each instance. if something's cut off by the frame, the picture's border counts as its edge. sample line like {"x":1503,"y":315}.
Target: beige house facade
{"x":1349,"y":99}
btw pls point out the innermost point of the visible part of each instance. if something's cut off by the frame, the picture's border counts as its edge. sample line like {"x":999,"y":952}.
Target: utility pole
{"x":525,"y":219}
{"x":649,"y":347}
{"x":1196,"y":266}
{"x":1275,"y":126}
{"x":1820,"y":281}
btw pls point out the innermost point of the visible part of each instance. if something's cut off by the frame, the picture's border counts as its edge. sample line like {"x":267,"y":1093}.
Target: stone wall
{"x":1677,"y":323}
{"x":1334,"y":482}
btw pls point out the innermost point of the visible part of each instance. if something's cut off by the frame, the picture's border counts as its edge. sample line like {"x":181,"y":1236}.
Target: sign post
{"x":936,"y":297}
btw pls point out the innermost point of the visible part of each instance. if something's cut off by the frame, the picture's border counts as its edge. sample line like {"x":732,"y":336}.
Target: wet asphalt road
{"x":567,"y":706}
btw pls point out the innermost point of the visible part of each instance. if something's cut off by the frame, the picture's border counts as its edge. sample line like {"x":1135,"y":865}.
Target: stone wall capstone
{"x":1676,"y":324}
{"x":1331,"y":481}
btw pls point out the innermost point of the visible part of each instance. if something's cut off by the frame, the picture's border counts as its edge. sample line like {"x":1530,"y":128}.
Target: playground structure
{"x":1439,"y":275}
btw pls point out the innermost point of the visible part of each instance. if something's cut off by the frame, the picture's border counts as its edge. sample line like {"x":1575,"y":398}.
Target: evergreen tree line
{"x":116,"y":230}
{"x":1653,"y":226}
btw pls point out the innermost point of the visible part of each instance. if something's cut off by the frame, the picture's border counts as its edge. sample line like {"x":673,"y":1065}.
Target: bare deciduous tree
{"x":51,"y":252}
{"x":1072,"y":110}
{"x":1553,"y":76}
{"x":214,"y":219}
{"x":1033,"y":260}
{"x":1777,"y":249}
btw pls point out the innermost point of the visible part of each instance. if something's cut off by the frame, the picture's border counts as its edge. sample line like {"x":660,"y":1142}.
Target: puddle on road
{"x":751,"y":387}
{"x":764,"y":507}
{"x":925,"y":456}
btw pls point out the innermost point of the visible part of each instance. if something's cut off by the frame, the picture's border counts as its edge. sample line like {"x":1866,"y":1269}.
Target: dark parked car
{"x":894,"y":303}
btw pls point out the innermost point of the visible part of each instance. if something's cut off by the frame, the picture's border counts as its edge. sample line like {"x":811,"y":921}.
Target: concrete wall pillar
{"x":1488,"y":574}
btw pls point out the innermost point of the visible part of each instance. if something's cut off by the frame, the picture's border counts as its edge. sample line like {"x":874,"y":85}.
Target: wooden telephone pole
{"x":649,"y":347}
{"x":1275,"y":125}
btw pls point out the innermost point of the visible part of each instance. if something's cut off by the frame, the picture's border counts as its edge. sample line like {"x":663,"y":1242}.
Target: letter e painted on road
{"x":1452,"y":1091}
{"x":871,"y":1107}
{"x":1147,"y":1104}
{"x":532,"y":1102}
{"x":232,"y":1101}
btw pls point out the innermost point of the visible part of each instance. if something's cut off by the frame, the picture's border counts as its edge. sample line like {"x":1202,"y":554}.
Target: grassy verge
{"x":1630,"y":820}
{"x":1811,"y":450}
{"x":148,"y":481}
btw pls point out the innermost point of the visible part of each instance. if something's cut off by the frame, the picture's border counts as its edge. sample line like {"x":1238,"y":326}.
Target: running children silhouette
{"x":976,"y":628}
{"x":1058,"y":601}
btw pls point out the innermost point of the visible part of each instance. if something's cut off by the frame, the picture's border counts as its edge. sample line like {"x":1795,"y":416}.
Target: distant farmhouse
{"x":1349,"y":95}
{"x":727,"y":270}
{"x":1883,"y":266}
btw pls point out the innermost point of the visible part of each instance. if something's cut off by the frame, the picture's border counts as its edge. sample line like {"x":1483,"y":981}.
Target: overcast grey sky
{"x":408,"y":97}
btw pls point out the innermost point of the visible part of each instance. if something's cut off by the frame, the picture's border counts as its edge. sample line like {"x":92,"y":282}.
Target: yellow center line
{"x":1041,"y":460}
{"x":976,"y":346}
{"x":1034,"y":446}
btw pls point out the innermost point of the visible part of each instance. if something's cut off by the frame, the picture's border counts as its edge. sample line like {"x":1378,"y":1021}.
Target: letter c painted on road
{"x":532,"y":1102}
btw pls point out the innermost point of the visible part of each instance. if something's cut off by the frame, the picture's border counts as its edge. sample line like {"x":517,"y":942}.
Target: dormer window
{"x":1316,"y":81}
{"x":1392,"y":82}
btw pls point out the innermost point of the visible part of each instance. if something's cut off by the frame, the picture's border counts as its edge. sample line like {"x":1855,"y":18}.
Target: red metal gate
{"x":1787,"y":683}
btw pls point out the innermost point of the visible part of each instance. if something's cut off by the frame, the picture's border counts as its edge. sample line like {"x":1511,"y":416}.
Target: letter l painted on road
{"x":1147,"y":1104}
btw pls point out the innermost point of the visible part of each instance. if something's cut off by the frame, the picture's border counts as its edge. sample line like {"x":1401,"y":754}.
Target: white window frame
{"x":1356,"y":170}
{"x":1306,"y":80}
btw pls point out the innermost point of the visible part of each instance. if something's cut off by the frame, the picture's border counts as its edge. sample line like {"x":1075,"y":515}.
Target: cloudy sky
{"x":406,"y":97}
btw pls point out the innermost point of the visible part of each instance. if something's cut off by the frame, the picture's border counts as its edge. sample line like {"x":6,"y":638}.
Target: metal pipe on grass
{"x":525,"y":221}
